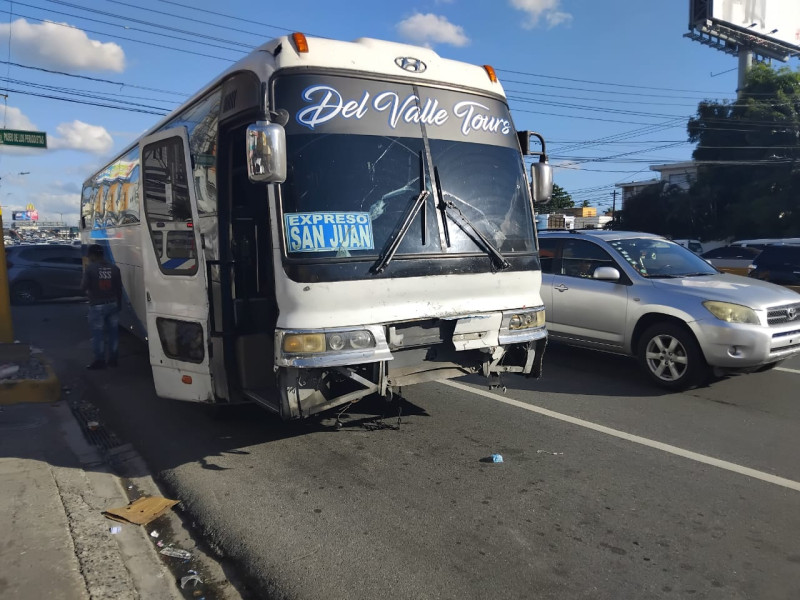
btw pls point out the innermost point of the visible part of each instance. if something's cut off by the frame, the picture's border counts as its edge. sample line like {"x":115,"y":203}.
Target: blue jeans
{"x":104,"y":325}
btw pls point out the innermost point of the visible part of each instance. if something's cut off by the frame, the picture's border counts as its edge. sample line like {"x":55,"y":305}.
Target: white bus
{"x":325,"y":221}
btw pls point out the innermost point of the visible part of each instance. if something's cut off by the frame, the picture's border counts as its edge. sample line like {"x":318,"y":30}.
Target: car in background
{"x":37,"y":272}
{"x":732,"y":259}
{"x":644,"y":296}
{"x":778,"y":264}
{"x":762,"y":243}
{"x":693,"y":245}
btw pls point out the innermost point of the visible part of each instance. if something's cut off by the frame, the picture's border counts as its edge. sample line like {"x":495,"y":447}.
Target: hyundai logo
{"x":412,"y":65}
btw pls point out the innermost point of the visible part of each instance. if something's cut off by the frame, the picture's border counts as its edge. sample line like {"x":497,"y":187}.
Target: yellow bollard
{"x":6,"y":327}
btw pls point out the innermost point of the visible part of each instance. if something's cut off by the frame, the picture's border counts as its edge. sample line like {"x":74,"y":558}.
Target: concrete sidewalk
{"x":56,"y":543}
{"x":61,"y":466}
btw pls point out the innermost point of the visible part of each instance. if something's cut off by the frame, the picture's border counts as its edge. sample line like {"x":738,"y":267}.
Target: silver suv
{"x":642,"y":295}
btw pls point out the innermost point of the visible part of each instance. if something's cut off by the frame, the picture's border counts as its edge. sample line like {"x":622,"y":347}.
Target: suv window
{"x":579,"y":258}
{"x":51,"y":254}
{"x":547,"y":253}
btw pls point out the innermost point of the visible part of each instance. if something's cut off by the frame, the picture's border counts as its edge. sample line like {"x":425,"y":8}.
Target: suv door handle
{"x":561,"y":287}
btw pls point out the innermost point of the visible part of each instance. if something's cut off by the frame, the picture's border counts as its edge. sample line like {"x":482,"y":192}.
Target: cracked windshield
{"x":659,"y":258}
{"x":360,"y":167}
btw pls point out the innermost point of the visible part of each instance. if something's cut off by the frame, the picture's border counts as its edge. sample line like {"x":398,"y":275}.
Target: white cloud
{"x":429,"y":29}
{"x":15,"y":119}
{"x":81,"y":136}
{"x":55,"y":46}
{"x":542,"y":9}
{"x":54,"y":206}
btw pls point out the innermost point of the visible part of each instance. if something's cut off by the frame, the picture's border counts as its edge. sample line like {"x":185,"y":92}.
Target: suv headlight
{"x":732,"y":313}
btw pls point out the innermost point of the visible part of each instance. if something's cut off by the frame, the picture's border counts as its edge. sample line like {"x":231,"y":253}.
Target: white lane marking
{"x":788,"y":370}
{"x":702,"y":458}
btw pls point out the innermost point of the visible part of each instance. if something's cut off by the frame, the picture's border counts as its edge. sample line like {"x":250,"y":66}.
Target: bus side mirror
{"x":541,"y":182}
{"x":541,"y":172}
{"x":266,"y":152}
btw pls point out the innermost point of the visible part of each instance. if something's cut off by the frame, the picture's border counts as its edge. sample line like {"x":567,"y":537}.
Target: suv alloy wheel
{"x":671,"y":357}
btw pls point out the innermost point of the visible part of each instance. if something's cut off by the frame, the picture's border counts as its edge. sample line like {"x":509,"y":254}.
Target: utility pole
{"x":745,"y":64}
{"x":6,"y":328}
{"x":613,"y":206}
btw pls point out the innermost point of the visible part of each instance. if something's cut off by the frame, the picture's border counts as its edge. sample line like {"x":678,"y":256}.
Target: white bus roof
{"x":366,"y":56}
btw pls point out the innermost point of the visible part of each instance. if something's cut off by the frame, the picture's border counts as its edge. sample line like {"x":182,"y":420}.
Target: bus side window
{"x":168,"y":205}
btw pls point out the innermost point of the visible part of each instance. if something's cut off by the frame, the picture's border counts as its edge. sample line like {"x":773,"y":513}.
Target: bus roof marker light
{"x":490,"y":72}
{"x":300,"y":42}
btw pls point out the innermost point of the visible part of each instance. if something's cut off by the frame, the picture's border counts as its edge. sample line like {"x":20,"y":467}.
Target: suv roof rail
{"x":561,"y":229}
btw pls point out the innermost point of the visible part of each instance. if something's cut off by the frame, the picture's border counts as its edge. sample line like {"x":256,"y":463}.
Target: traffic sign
{"x":16,"y":137}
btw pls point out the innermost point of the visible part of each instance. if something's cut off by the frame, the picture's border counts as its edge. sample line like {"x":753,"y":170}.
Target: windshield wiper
{"x":390,"y":251}
{"x":401,"y":233}
{"x":498,"y":259}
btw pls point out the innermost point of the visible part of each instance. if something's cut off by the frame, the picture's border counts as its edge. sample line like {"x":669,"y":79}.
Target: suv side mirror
{"x":266,"y":152}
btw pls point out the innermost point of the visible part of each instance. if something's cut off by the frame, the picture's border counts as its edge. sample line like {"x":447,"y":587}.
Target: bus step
{"x":264,"y":398}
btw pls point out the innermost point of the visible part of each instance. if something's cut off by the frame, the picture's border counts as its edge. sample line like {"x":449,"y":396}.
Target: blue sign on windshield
{"x":328,"y":231}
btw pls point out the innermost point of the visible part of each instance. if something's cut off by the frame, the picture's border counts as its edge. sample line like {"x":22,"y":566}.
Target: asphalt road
{"x":609,"y":488}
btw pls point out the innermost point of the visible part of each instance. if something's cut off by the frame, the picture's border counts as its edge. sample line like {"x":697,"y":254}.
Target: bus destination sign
{"x":15,"y":137}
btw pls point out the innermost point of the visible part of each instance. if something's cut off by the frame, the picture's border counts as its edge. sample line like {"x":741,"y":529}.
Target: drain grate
{"x":88,"y":416}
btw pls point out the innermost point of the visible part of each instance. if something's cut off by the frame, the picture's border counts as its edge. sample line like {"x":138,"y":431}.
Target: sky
{"x":610,"y":84}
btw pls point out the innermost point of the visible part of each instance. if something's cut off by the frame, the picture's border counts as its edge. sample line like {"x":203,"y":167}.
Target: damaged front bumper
{"x":391,"y":356}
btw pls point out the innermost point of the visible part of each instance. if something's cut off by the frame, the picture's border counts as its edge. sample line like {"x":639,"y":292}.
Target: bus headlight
{"x":336,"y":341}
{"x":304,"y":343}
{"x":523,"y":325}
{"x":526,"y":320}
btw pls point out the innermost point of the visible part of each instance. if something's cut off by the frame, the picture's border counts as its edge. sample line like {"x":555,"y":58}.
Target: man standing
{"x":103,"y":285}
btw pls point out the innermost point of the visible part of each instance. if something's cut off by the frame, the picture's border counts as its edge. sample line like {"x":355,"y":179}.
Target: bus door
{"x":174,"y":271}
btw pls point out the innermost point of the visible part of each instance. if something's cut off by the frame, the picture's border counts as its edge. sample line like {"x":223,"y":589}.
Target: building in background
{"x":681,"y":174}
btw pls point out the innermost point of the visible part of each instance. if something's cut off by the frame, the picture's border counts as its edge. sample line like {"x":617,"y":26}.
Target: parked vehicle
{"x":693,"y":245}
{"x":778,"y":264}
{"x":642,"y":295}
{"x":762,"y":243}
{"x":36,"y":272}
{"x":732,"y":259}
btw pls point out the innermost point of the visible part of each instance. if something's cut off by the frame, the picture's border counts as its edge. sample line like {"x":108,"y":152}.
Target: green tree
{"x":748,"y":183}
{"x":560,"y":200}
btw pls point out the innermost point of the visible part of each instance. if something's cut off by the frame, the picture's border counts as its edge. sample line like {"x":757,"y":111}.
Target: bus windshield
{"x":361,"y":153}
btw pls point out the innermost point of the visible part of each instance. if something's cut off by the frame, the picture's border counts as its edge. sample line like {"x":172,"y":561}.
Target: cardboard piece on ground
{"x":141,"y":511}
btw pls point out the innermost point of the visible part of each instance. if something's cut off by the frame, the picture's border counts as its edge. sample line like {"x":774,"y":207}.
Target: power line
{"x":74,"y":101}
{"x":97,"y":79}
{"x":126,"y":38}
{"x":625,"y":85}
{"x":211,"y":12}
{"x":126,"y":27}
{"x":148,"y":23}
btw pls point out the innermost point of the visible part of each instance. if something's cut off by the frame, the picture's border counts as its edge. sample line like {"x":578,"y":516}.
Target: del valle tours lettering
{"x":329,"y":104}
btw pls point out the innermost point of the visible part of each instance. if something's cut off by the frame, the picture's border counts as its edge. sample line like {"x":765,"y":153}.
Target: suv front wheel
{"x":671,"y":357}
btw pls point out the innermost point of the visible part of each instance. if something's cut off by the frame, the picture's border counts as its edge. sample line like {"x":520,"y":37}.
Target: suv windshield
{"x":361,"y":154}
{"x":659,"y":258}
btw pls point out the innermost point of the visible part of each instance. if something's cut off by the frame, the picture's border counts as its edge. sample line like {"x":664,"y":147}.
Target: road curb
{"x":17,"y":391}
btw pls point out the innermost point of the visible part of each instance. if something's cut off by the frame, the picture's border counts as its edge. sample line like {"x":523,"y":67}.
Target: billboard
{"x":768,"y":27}
{"x":776,"y":20}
